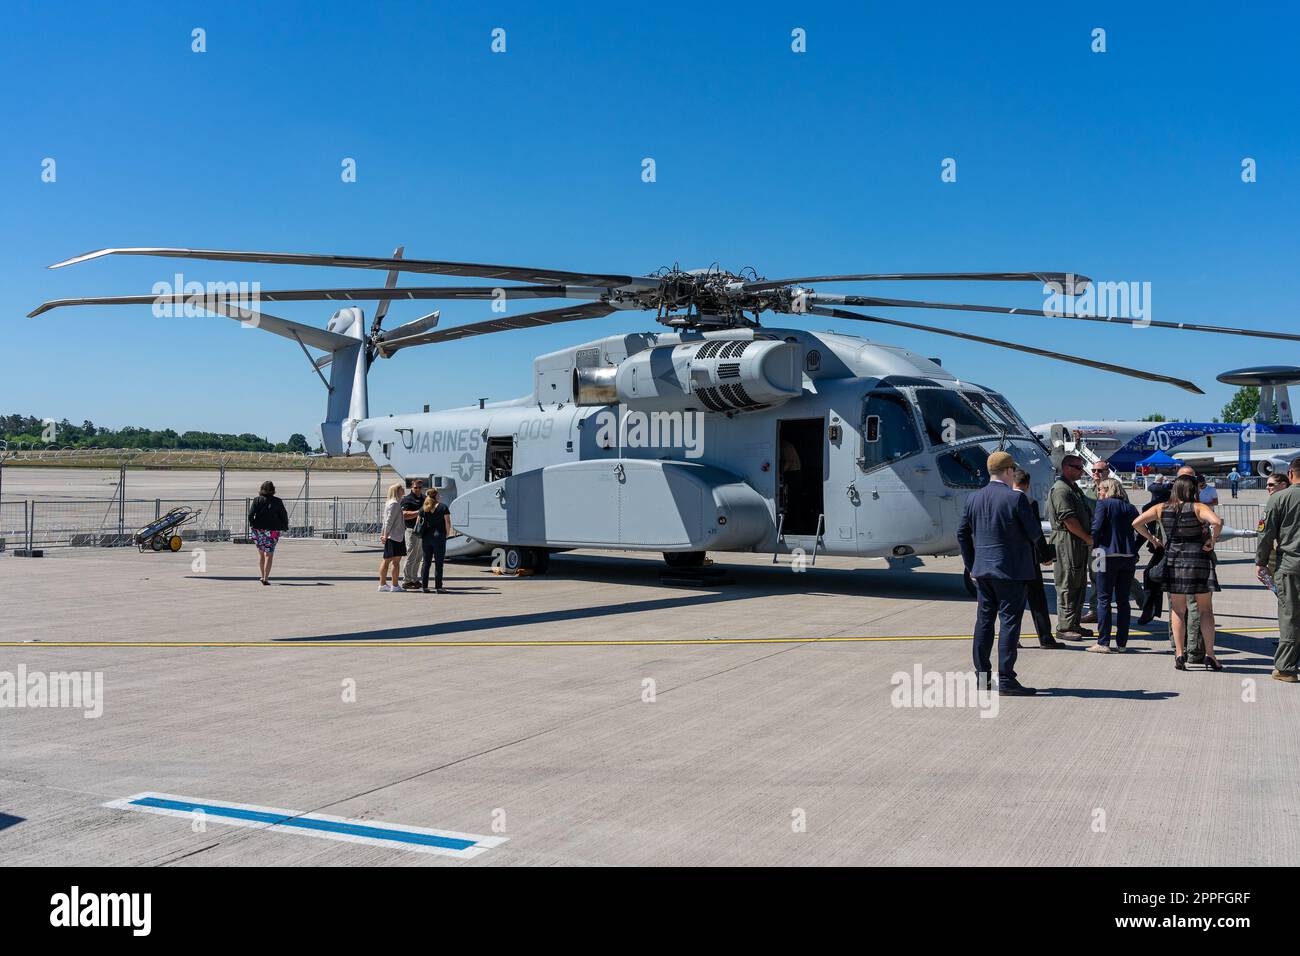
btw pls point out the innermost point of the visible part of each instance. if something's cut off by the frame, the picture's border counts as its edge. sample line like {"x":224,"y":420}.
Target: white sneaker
{"x":384,"y":587}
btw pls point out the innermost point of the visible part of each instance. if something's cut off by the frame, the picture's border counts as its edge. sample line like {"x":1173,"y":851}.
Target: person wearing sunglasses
{"x":1274,"y":484}
{"x":1070,"y":518}
{"x":1282,"y":530}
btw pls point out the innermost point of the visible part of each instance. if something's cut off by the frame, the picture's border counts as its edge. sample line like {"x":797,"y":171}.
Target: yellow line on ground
{"x":664,"y":643}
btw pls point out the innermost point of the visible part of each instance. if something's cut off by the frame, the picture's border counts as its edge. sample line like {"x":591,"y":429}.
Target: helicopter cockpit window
{"x":965,"y":467}
{"x":948,"y":418}
{"x":888,"y":430}
{"x":1007,"y":407}
{"x":994,"y":412}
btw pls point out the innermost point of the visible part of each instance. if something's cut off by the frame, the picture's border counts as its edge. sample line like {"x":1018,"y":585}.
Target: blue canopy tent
{"x":1158,"y":459}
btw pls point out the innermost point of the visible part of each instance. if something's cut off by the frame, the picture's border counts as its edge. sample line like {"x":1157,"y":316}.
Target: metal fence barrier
{"x":1243,"y":517}
{"x":111,"y":522}
{"x":13,"y":525}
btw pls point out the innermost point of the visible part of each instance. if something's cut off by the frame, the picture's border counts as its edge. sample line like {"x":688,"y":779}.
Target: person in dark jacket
{"x":999,"y":537}
{"x":1035,"y":593}
{"x":411,"y":511}
{"x":267,"y":520}
{"x":1115,"y":553}
{"x":434,"y":525}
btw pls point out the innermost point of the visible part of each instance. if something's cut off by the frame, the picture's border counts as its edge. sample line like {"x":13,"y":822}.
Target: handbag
{"x":1156,"y":570}
{"x":419,"y":525}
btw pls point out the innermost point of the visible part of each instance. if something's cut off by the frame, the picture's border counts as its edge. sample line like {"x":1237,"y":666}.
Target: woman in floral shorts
{"x":267,"y":519}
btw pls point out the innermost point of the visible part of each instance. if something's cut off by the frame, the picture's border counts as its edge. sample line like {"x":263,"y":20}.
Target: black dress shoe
{"x":1017,"y":690}
{"x":1049,"y":642}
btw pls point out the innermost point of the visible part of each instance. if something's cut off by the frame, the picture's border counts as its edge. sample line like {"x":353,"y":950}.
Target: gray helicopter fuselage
{"x":768,"y":440}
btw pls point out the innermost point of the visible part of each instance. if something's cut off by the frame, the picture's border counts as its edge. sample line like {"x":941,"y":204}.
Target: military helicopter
{"x":716,"y":434}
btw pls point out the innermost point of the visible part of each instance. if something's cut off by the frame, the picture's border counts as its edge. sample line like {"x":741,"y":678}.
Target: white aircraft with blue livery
{"x":1258,"y":446}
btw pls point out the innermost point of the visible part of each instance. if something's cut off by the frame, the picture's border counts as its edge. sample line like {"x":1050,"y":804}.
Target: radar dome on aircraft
{"x":1272,"y":382}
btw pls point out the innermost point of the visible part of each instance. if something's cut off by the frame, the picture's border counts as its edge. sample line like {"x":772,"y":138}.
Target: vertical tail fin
{"x":348,"y":399}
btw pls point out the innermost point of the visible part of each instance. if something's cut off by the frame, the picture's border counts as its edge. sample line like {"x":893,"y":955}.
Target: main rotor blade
{"x":324,"y":295}
{"x":1090,"y":363}
{"x":426,"y":266}
{"x":818,"y":298}
{"x":592,"y":310}
{"x":1070,"y":282}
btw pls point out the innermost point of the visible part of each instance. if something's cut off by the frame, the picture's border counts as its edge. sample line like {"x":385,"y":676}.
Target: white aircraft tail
{"x":344,"y":340}
{"x":348,"y":398}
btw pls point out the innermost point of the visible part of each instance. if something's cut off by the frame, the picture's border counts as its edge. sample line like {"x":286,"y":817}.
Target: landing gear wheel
{"x":175,"y":542}
{"x":157,"y":542}
{"x":684,"y":559}
{"x":541,"y":561}
{"x":516,"y":559}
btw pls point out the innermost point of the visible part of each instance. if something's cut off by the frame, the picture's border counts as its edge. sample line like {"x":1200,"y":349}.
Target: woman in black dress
{"x":267,"y":520}
{"x":434,"y":524}
{"x":1191,"y":529}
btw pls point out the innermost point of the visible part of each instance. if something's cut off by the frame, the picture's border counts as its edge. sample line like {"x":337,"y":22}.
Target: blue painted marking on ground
{"x":308,"y":823}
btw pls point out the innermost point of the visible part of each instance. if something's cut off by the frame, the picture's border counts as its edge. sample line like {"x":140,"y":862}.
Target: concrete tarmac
{"x":595,"y":715}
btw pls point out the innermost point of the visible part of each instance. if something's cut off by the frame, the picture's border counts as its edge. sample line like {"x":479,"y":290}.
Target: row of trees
{"x":40,"y":431}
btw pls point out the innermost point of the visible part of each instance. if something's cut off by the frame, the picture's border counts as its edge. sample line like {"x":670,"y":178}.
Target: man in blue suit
{"x":999,"y":538}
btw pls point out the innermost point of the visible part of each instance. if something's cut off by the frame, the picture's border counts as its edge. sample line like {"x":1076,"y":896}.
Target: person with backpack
{"x":267,"y":520}
{"x":433,"y":525}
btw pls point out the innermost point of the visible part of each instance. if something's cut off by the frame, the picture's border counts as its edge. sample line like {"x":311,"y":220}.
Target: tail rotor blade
{"x":422,"y":324}
{"x":382,"y":310}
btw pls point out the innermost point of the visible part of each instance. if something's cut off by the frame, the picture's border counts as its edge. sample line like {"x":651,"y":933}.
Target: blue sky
{"x":1124,"y":165}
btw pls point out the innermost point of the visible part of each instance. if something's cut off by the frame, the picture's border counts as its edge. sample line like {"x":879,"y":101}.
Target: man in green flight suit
{"x":1071,"y":521}
{"x":1100,"y":472}
{"x":1282,"y":527}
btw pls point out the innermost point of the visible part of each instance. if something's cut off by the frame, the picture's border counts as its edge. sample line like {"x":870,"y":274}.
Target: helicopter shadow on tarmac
{"x":750,"y":582}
